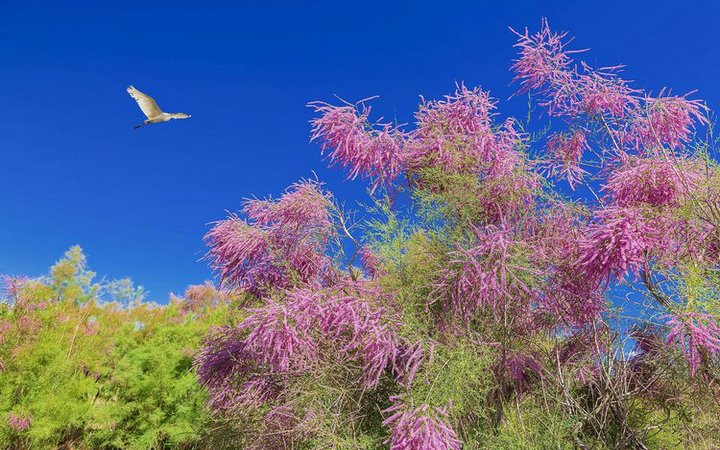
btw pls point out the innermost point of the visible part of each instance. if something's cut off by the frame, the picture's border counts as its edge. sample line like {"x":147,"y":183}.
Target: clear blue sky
{"x":74,"y":171}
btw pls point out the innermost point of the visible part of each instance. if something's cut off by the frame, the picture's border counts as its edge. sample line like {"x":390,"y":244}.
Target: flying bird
{"x":150,"y":108}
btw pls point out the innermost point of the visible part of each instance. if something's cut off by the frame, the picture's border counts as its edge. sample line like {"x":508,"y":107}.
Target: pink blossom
{"x":620,"y":242}
{"x":697,"y":334}
{"x":543,"y":58}
{"x":667,"y":121}
{"x":458,"y":135}
{"x":279,"y":336}
{"x":564,"y":298}
{"x":369,"y":260}
{"x":565,"y":152}
{"x":519,"y":368}
{"x":29,"y":324}
{"x":570,"y":300}
{"x":504,"y":158}
{"x":515,"y":261}
{"x":200,"y":294}
{"x":654,"y":181}
{"x":361,"y":330}
{"x":407,"y":362}
{"x":487,"y":277}
{"x":545,"y":66}
{"x":358,"y":330}
{"x":556,"y":235}
{"x":468,"y":111}
{"x":202,"y":297}
{"x":281,"y":240}
{"x":303,"y":205}
{"x":257,"y":390}
{"x":5,"y":327}
{"x":10,"y":285}
{"x":356,"y":145}
{"x":241,"y":254}
{"x":283,"y":338}
{"x":19,"y":423}
{"x":222,"y":360}
{"x":91,"y":327}
{"x":14,"y":288}
{"x":504,"y":199}
{"x":377,"y":352}
{"x":420,"y":429}
{"x":602,"y":93}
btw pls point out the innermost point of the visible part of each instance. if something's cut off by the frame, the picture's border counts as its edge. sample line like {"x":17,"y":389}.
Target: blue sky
{"x":74,"y":171}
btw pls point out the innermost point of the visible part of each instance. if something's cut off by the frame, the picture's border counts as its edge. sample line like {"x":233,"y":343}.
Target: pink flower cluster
{"x":222,"y":364}
{"x":408,"y":359}
{"x":369,"y":260}
{"x":359,"y":326}
{"x":667,"y":121}
{"x":487,"y":278}
{"x":91,"y":327}
{"x":454,"y":136}
{"x":565,"y":151}
{"x":202,"y":297}
{"x":10,"y":286}
{"x":280,"y":241}
{"x":543,"y":59}
{"x":697,"y":334}
{"x":458,"y":135}
{"x":5,"y":327}
{"x":545,"y":66}
{"x":285,"y":337}
{"x":19,"y":423}
{"x":565,"y":299}
{"x":603,"y":93}
{"x":505,"y":199}
{"x":653,"y":181}
{"x":303,"y":205}
{"x":522,"y":263}
{"x":570,"y":300}
{"x":419,"y":428}
{"x":520,"y":368}
{"x":355,"y":144}
{"x":279,"y":335}
{"x":620,"y":242}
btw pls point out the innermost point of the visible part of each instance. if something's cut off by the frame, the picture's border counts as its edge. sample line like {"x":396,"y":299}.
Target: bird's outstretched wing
{"x":147,"y":104}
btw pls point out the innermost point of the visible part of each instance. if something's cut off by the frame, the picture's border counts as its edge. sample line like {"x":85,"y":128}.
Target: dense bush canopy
{"x":91,"y":365}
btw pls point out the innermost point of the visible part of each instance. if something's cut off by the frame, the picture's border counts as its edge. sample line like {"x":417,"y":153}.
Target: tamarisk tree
{"x":509,"y":285}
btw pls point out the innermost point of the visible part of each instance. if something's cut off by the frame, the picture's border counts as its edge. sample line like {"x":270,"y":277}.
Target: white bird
{"x":150,"y":108}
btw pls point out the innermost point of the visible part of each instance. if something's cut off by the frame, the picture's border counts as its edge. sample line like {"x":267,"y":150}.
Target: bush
{"x":87,"y":373}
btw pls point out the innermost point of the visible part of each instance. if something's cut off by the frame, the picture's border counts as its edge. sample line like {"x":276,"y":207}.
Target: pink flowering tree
{"x":653,"y":185}
{"x":500,"y":266}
